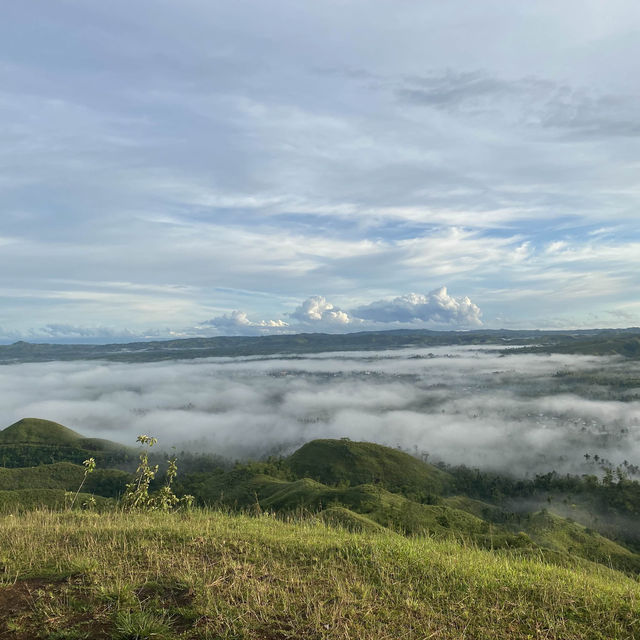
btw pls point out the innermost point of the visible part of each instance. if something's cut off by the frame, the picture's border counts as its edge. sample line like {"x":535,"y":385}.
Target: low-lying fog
{"x":460,"y":404}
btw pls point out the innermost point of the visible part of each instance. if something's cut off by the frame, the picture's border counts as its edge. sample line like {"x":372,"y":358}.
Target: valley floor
{"x":206,"y":574}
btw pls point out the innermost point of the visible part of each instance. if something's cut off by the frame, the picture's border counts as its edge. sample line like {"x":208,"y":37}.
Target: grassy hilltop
{"x":212,"y":575}
{"x":33,"y":441}
{"x":341,"y":539}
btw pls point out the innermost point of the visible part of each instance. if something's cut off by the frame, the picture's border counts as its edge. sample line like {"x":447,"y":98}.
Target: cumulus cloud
{"x":238,"y":323}
{"x":318,"y":311}
{"x":437,"y":307}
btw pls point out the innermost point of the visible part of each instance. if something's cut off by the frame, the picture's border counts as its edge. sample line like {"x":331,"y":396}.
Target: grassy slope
{"x":64,"y":475}
{"x":23,"y":500}
{"x":361,"y":506}
{"x":207,"y":574}
{"x":33,"y":441}
{"x":380,"y":506}
{"x":38,"y":431}
{"x":61,"y":475}
{"x":344,"y":461}
{"x":560,"y":534}
{"x":453,"y":516}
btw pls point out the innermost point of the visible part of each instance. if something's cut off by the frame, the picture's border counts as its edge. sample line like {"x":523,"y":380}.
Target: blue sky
{"x":206,"y":168}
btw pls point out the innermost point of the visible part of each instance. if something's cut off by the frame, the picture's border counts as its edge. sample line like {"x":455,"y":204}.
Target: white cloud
{"x":318,"y":311}
{"x":437,"y":307}
{"x":238,"y":323}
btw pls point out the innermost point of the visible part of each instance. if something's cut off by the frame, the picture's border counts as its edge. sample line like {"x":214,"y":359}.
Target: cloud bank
{"x":238,"y":323}
{"x":462,"y":405}
{"x":437,"y":307}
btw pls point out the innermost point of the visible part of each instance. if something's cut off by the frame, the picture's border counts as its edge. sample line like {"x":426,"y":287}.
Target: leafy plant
{"x":89,"y":503}
{"x":89,"y":467}
{"x":138,"y":496}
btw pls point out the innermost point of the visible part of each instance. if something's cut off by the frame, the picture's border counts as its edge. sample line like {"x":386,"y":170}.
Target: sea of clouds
{"x":458,"y":404}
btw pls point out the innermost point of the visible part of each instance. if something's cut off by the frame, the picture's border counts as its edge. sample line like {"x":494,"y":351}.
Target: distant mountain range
{"x":624,"y":342}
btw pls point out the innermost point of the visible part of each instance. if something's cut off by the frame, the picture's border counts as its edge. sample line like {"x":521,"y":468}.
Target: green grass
{"x":345,"y":462}
{"x":560,"y":534}
{"x":64,"y":475}
{"x":37,"y":430}
{"x":23,"y":500}
{"x":459,"y":517}
{"x":245,"y":491}
{"x":349,"y":520}
{"x":404,"y":495}
{"x":33,"y":441}
{"x":61,"y":475}
{"x":209,"y":575}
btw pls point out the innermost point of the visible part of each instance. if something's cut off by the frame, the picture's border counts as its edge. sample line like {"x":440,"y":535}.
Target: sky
{"x":201,"y":167}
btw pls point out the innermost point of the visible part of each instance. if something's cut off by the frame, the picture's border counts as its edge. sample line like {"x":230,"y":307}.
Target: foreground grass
{"x":209,"y":575}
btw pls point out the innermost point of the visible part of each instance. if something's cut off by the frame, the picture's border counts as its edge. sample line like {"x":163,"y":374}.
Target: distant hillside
{"x":358,"y":485}
{"x":363,"y":486}
{"x":604,"y":345}
{"x":300,"y":343}
{"x":336,"y":462}
{"x":33,"y":441}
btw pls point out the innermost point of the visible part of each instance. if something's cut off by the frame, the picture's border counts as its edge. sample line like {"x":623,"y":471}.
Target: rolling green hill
{"x":260,"y":492}
{"x":343,"y":462}
{"x":409,"y":496}
{"x":38,"y":431}
{"x":33,"y":441}
{"x":559,"y":534}
{"x":25,"y":500}
{"x":359,"y":485}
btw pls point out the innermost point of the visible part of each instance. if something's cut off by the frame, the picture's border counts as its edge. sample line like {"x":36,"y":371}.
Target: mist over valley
{"x":519,"y":413}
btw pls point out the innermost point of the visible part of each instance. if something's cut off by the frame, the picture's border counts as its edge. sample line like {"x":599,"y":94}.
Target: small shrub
{"x":89,"y":467}
{"x":137,"y":495}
